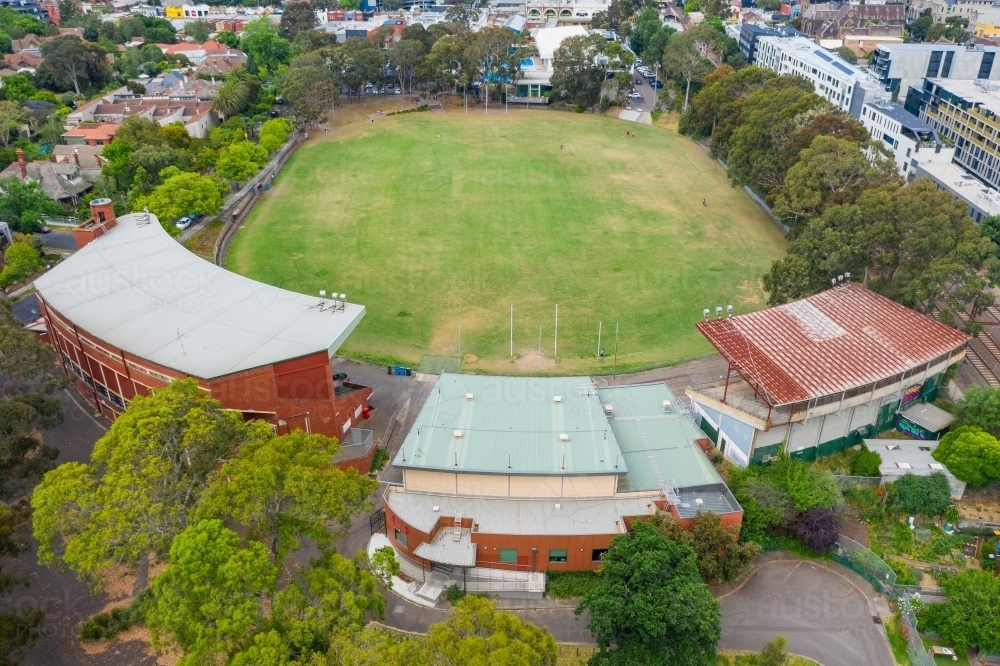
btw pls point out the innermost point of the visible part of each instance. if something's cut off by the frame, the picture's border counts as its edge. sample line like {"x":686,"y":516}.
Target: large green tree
{"x":240,"y":161}
{"x":23,"y":204}
{"x":971,"y":454}
{"x":832,"y":171}
{"x":263,"y":44}
{"x":180,"y":195}
{"x":210,"y":597}
{"x":285,"y":487}
{"x":980,"y":407}
{"x":914,"y":244}
{"x":969,"y":618}
{"x":479,"y":635}
{"x":576,"y":72}
{"x":298,"y":16}
{"x":75,"y":64}
{"x":651,"y":605}
{"x":145,"y":477}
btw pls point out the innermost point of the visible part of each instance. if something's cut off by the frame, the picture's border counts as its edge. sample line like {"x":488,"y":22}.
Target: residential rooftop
{"x":551,"y":426}
{"x":901,"y":116}
{"x":979,"y":93}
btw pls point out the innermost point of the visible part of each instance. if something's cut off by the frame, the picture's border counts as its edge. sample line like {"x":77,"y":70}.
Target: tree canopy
{"x":969,"y":617}
{"x":980,"y":407}
{"x":145,"y":477}
{"x":183,"y":194}
{"x":651,"y":605}
{"x":971,"y":454}
{"x":575,"y":70}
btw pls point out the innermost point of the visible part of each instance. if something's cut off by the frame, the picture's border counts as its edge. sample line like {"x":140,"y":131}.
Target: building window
{"x":508,"y":555}
{"x":597,"y":555}
{"x":401,"y":539}
{"x":558,"y":556}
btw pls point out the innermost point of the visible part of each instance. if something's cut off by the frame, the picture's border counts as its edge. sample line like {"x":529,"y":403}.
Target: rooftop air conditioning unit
{"x":435,"y":508}
{"x":698,"y":501}
{"x":469,"y":396}
{"x":563,"y":437}
{"x":457,"y":434}
{"x":558,"y":506}
{"x":557,"y":398}
{"x":667,"y":405}
{"x":609,"y":409}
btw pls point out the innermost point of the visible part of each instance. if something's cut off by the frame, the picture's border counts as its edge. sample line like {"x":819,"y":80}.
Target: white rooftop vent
{"x":698,"y":501}
{"x":457,"y":434}
{"x":435,"y":508}
{"x":469,"y":396}
{"x":904,"y":465}
{"x":937,"y":466}
{"x":609,"y":409}
{"x":563,"y":437}
{"x":557,"y":398}
{"x":558,"y":506}
{"x":666,"y":405}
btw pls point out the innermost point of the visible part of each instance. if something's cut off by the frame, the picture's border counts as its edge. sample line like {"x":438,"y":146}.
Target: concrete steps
{"x":631,"y":116}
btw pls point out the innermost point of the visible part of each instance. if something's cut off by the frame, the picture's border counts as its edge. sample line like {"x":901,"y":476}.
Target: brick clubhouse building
{"x":133,"y":310}
{"x":508,"y":477}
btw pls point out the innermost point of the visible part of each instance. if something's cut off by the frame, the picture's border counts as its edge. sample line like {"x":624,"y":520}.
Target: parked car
{"x":399,"y":91}
{"x":183,"y":223}
{"x":197,"y":216}
{"x":275,"y":114}
{"x":634,"y":95}
{"x":389,"y":86}
{"x":638,"y":63}
{"x":46,"y":230}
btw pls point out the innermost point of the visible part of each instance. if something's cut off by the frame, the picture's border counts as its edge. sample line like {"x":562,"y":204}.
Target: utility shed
{"x":911,"y":456}
{"x":924,"y":421}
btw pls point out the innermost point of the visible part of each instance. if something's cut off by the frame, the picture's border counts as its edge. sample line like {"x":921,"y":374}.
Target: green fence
{"x":865,"y":563}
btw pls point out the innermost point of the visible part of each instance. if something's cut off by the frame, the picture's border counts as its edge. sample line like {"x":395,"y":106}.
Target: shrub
{"x":929,"y":495}
{"x":818,"y":528}
{"x":453,"y":594}
{"x":379,"y":460}
{"x":570,"y":584}
{"x":866,"y":463}
{"x":905,"y":575}
{"x":105,"y":626}
{"x":810,"y":487}
{"x":21,"y":261}
{"x":775,"y":652}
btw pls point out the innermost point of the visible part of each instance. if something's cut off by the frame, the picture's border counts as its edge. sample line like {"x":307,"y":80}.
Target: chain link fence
{"x":919,"y":655}
{"x":865,"y":563}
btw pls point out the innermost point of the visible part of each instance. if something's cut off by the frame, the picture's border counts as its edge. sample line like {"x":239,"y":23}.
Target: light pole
{"x":656,"y":82}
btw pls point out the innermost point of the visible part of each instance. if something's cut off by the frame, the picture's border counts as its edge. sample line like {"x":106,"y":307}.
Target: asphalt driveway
{"x":824,"y":613}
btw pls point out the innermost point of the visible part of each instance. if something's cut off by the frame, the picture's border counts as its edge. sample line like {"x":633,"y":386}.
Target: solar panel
{"x":843,"y":68}
{"x":823,"y":55}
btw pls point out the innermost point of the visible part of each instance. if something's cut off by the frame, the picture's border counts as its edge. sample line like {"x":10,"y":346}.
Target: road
{"x":27,"y":309}
{"x":645,"y":89}
{"x":59,"y":240}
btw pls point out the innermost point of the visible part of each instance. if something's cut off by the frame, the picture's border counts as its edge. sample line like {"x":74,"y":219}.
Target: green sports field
{"x":438,"y":220}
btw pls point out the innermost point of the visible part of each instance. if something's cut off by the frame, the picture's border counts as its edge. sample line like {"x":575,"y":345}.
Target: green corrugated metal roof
{"x":659,"y":446}
{"x":512,"y":425}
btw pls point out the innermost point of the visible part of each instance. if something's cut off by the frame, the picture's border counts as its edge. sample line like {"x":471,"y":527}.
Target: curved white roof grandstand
{"x":138,"y":289}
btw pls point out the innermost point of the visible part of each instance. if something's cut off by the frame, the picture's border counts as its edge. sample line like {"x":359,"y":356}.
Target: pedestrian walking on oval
{"x":704,"y":203}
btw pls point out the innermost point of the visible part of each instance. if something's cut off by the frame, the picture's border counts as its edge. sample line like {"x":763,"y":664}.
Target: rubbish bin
{"x":388,"y":369}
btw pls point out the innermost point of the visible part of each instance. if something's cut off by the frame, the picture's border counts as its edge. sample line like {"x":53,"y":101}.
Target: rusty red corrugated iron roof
{"x":836,"y":340}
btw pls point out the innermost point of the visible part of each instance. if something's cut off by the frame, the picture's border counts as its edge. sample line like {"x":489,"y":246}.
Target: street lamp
{"x":534,"y":551}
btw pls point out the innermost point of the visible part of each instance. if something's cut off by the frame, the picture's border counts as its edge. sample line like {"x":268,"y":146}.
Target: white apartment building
{"x":564,"y":11}
{"x":842,"y":84}
{"x":911,"y":140}
{"x":941,"y":10}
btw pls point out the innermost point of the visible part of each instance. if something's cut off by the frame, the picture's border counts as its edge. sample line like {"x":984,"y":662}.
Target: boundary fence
{"x":865,"y":563}
{"x":919,"y":655}
{"x":240,"y":205}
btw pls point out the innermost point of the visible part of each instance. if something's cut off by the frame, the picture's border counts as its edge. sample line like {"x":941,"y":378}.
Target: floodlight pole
{"x":460,"y":346}
{"x":599,"y":339}
{"x":539,"y":366}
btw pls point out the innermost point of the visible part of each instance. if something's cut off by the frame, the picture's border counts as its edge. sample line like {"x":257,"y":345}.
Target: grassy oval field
{"x":440,"y":220}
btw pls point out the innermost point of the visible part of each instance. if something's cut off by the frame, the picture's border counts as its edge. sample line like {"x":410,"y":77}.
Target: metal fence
{"x":865,"y":563}
{"x":858,"y":481}
{"x":919,"y":655}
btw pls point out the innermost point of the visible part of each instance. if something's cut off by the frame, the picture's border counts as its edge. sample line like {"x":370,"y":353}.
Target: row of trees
{"x":28,"y":406}
{"x":842,"y":196}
